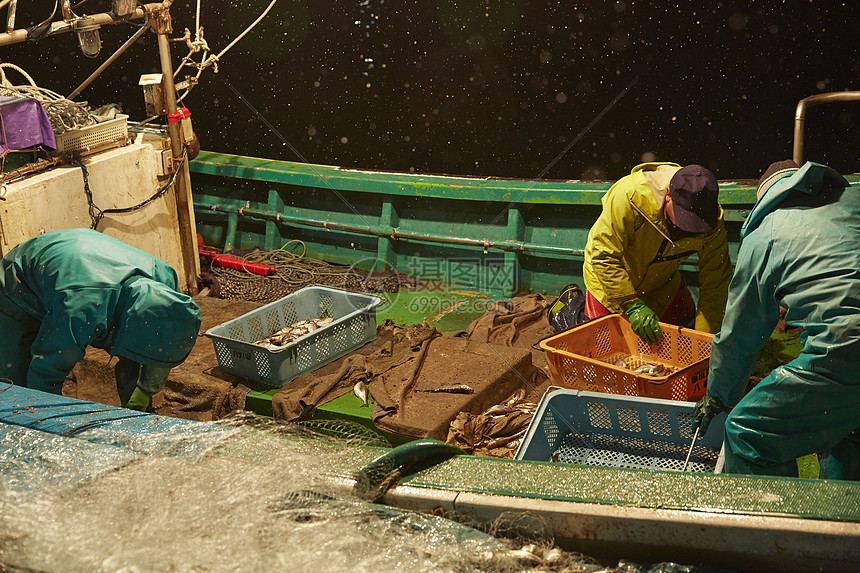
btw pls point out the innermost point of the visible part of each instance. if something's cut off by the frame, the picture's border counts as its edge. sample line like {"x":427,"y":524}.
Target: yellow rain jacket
{"x":629,"y":253}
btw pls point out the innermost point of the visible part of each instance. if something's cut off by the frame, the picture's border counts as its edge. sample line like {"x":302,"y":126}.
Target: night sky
{"x":499,"y":88}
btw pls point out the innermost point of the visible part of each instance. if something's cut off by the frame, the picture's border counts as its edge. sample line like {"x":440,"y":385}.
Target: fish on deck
{"x":293,"y":332}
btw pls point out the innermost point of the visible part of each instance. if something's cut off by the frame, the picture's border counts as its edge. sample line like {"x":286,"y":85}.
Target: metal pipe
{"x":800,"y":116}
{"x":68,"y":15}
{"x":13,"y":36}
{"x":392,"y":233}
{"x":109,"y":61}
{"x":18,"y":36}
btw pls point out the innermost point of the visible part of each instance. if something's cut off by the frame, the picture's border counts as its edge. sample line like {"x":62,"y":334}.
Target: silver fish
{"x":499,"y":442}
{"x":653,"y":369}
{"x":516,"y":397}
{"x":360,"y":390}
{"x":292,"y":332}
{"x":453,"y":389}
{"x":499,"y":410}
{"x":527,"y":407}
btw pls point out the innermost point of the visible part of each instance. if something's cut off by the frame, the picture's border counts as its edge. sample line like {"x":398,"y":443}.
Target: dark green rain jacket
{"x":79,"y":287}
{"x":800,"y":248}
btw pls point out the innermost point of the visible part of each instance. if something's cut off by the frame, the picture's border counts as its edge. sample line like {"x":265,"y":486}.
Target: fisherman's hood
{"x":657,"y":175}
{"x":158,"y":326}
{"x":811,"y":179}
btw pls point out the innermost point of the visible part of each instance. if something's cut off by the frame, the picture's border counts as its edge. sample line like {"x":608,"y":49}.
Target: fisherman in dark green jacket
{"x":800,"y":250}
{"x":65,"y":290}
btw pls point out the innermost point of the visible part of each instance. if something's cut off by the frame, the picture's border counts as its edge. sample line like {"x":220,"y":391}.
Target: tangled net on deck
{"x":64,"y":114}
{"x":296,"y":271}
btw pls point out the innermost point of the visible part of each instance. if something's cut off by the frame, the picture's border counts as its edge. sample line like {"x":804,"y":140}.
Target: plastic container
{"x":585,"y":357}
{"x":354,"y":325}
{"x":571,"y":426}
{"x":97,"y":137}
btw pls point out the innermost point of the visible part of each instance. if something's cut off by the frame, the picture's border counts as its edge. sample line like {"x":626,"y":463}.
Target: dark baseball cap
{"x":694,"y":193}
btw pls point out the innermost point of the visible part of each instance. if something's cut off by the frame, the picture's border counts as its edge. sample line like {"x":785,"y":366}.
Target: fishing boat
{"x":481,"y":239}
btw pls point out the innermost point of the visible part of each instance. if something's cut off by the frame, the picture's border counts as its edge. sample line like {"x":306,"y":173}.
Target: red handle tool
{"x":233,"y":262}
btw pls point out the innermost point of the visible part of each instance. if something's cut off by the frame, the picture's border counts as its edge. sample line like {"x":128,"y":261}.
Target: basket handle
{"x":536,"y":345}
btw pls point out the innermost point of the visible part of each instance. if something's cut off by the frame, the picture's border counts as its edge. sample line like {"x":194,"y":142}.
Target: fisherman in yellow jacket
{"x":652,"y":219}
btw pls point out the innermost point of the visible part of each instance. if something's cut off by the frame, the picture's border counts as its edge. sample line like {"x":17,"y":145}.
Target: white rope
{"x":5,"y":82}
{"x":200,"y":45}
{"x":197,"y":21}
{"x":242,"y":35}
{"x":64,"y":114}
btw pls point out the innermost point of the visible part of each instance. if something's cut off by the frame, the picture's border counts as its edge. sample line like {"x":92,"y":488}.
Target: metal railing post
{"x":800,"y":116}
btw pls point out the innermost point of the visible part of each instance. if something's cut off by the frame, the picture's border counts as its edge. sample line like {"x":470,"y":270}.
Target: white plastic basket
{"x":111,"y":133}
{"x":354,"y":325}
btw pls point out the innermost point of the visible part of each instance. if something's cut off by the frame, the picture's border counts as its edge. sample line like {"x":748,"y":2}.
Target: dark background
{"x":497,"y":87}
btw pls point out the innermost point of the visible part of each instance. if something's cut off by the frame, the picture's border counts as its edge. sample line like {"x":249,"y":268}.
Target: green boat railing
{"x":493,"y":235}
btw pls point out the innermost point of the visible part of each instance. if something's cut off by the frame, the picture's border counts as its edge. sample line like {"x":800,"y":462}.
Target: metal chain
{"x":96,"y":214}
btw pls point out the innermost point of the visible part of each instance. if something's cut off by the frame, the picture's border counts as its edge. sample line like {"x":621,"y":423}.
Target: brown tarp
{"x":394,"y":345}
{"x":421,"y":397}
{"x":480,"y":367}
{"x":520,"y":322}
{"x":494,"y":357}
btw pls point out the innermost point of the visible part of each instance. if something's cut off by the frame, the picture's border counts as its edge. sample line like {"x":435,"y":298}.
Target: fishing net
{"x":64,"y":114}
{"x":296,"y":271}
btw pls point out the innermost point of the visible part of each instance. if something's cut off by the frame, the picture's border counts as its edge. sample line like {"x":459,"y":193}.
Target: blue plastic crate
{"x":353,"y":326}
{"x":592,"y":428}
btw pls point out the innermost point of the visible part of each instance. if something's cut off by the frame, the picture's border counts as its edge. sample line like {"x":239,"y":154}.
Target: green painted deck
{"x":723,"y":493}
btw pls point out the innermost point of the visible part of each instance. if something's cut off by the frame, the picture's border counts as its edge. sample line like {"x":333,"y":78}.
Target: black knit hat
{"x":694,"y":193}
{"x":774,"y":172}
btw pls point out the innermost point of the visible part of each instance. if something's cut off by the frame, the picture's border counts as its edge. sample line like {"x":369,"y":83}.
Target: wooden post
{"x":182,"y":185}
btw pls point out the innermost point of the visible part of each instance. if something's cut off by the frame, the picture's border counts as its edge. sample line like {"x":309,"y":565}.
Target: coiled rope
{"x":64,"y":114}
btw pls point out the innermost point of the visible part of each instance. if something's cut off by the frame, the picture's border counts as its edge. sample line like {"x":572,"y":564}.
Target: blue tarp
{"x":64,"y":438}
{"x":76,"y":418}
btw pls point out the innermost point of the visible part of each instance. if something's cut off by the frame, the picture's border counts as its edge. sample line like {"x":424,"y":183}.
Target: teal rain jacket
{"x":800,"y":249}
{"x":65,"y":290}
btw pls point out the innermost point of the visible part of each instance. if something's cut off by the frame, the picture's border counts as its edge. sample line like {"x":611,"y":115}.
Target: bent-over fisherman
{"x":65,"y":290}
{"x":800,"y":247}
{"x":652,"y":219}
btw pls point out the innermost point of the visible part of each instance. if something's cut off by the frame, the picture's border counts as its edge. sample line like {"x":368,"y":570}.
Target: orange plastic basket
{"x":585,"y":357}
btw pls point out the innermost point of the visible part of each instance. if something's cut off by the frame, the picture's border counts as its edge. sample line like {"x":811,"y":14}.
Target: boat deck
{"x":741,"y":519}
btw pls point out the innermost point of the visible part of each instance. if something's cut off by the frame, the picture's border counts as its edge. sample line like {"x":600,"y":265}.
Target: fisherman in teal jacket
{"x":65,"y":290}
{"x":800,"y":250}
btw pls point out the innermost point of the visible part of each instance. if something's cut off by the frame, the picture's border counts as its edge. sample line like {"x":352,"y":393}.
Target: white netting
{"x":64,"y":114}
{"x":270,"y":497}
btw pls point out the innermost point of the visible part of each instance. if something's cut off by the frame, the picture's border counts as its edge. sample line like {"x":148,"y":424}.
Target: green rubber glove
{"x":139,"y":400}
{"x":706,"y":408}
{"x":644,"y":321}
